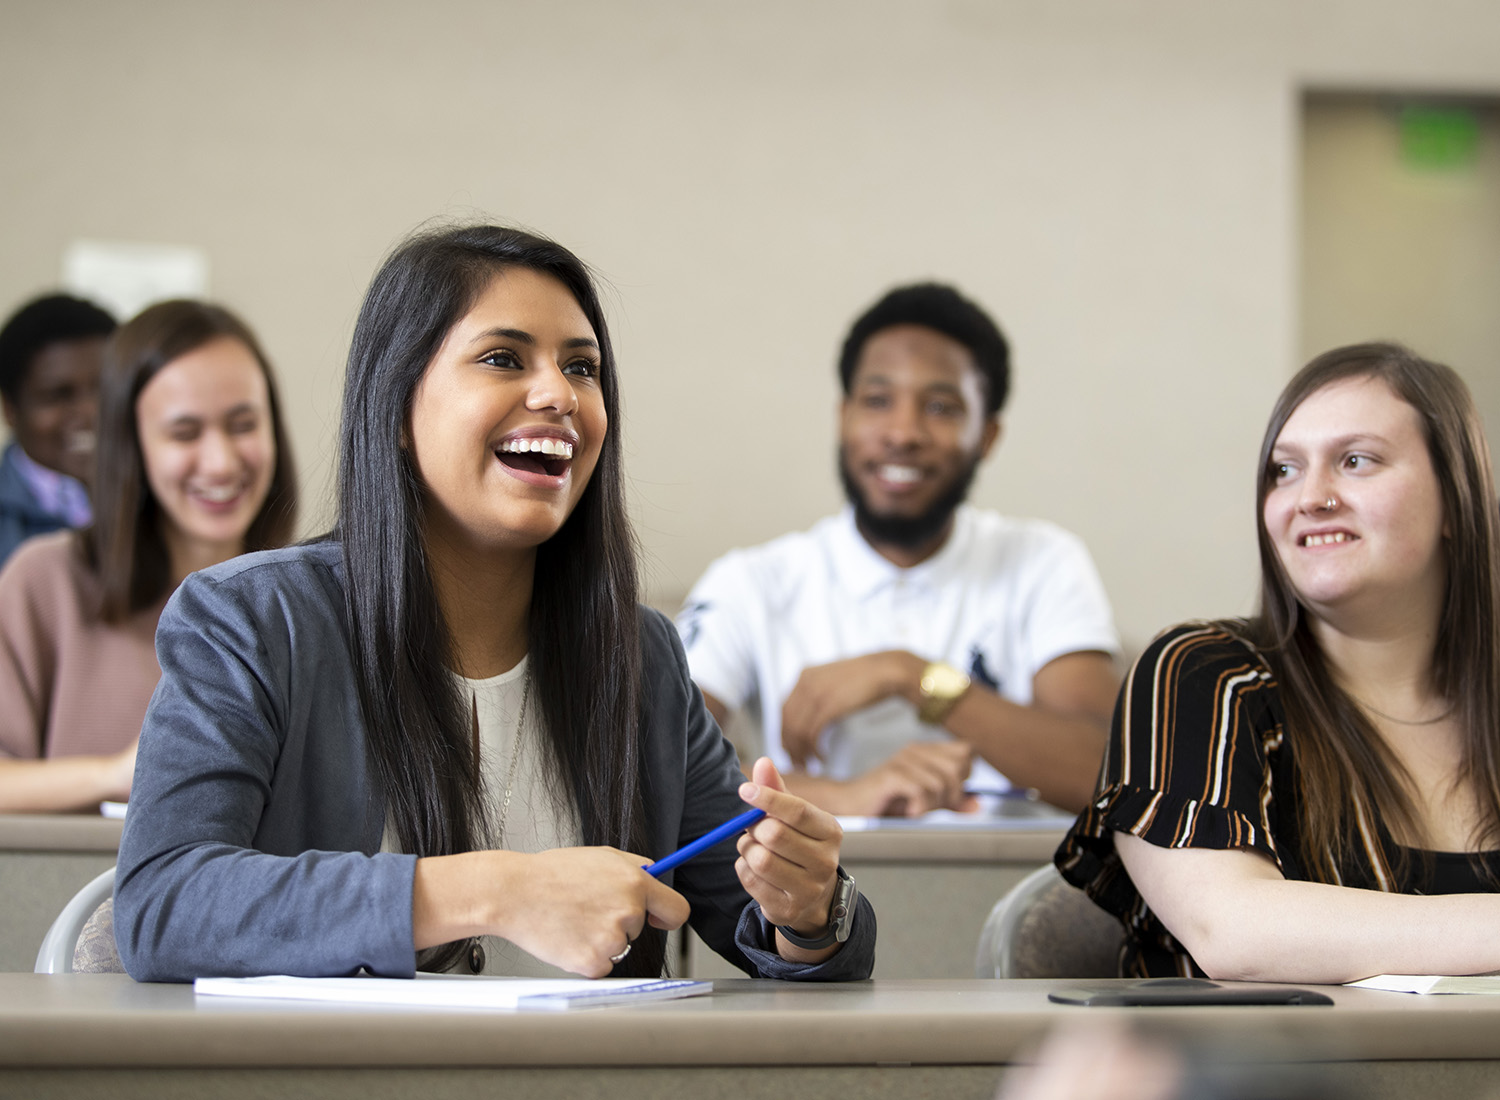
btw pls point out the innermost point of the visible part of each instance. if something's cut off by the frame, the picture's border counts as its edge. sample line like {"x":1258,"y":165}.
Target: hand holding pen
{"x":789,"y":854}
{"x":733,"y":827}
{"x":789,"y":860}
{"x":582,"y":908}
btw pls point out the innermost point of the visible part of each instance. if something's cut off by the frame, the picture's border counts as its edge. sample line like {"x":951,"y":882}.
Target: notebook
{"x":456,"y":991}
{"x":1431,"y":983}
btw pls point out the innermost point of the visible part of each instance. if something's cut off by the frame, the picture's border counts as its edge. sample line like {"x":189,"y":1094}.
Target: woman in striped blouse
{"x":1313,"y":794}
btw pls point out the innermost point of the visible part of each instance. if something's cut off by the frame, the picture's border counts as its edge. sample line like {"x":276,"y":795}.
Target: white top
{"x":1001,"y":599}
{"x":536,"y":820}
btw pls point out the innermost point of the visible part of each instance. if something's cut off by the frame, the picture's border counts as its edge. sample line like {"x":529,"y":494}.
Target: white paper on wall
{"x":125,"y":276}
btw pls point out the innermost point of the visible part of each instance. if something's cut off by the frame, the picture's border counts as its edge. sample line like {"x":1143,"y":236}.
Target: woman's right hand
{"x":575,"y":908}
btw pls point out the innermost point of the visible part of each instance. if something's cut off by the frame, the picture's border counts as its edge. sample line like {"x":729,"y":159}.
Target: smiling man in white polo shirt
{"x":897,"y":645}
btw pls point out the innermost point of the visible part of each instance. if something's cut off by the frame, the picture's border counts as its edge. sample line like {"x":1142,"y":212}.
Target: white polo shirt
{"x":1001,"y":599}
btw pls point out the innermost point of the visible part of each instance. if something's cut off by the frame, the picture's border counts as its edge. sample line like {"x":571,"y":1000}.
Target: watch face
{"x":842,"y":914}
{"x":942,"y":681}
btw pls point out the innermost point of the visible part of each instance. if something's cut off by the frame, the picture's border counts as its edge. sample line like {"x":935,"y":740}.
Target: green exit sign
{"x":1439,"y":137}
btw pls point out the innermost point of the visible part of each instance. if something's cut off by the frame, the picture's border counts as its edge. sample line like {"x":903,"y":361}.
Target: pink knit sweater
{"x":70,"y":685}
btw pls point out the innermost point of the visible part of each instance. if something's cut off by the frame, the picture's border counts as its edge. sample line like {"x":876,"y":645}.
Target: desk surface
{"x":1022,"y":841}
{"x":1031,"y":844}
{"x":109,"y":1020}
{"x":59,"y":833}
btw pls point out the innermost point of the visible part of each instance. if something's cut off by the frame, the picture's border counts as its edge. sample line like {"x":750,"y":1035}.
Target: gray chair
{"x":1046,"y":928}
{"x":82,"y":938}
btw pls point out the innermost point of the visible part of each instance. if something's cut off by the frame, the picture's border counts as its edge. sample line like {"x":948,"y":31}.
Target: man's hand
{"x":826,"y":693}
{"x":922,"y":776}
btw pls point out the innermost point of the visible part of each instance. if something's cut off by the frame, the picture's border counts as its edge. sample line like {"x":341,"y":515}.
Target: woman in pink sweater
{"x":193,"y":468}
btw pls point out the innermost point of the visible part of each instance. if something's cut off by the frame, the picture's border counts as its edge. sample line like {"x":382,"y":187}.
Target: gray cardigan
{"x":252,"y":842}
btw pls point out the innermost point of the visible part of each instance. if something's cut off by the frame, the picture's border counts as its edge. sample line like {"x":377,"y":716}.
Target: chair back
{"x":82,"y":938}
{"x":1044,"y":927}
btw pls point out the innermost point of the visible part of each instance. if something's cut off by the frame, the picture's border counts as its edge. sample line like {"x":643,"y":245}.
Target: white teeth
{"x":1324,"y":540}
{"x":219,"y":494}
{"x":557,"y":448}
{"x":902,"y":475}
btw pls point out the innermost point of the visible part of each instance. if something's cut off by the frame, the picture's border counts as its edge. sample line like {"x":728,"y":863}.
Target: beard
{"x":908,"y":532}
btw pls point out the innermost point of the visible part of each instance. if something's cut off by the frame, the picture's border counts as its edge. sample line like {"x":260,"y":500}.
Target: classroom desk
{"x":931,"y":888}
{"x":44,"y":860}
{"x":104,"y":1035}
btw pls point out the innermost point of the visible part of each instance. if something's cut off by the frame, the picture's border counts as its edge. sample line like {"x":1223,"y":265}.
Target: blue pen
{"x":705,"y":842}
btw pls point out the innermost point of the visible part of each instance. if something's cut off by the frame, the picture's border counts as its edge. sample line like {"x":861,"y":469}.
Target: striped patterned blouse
{"x":1197,"y":759}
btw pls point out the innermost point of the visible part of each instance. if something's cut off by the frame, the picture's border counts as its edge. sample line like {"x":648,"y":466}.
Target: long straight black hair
{"x":584,"y":629}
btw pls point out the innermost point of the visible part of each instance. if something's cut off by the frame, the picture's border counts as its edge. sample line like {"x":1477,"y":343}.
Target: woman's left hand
{"x":789,"y":860}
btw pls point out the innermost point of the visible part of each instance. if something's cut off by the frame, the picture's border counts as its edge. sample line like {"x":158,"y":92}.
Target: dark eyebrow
{"x":194,"y":418}
{"x":945,"y":387}
{"x":521,"y":336}
{"x":951,"y":389}
{"x":1361,"y":437}
{"x":1338,"y":444}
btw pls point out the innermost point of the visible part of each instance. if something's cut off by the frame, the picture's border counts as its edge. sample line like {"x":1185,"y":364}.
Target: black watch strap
{"x":840,"y":917}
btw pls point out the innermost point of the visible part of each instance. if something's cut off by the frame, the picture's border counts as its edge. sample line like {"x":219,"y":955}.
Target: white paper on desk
{"x":948,"y":821}
{"x":1431,"y":983}
{"x":456,"y":991}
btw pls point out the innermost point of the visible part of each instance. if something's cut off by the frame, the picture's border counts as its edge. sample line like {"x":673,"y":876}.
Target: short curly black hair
{"x":939,"y":307}
{"x":51,"y":319}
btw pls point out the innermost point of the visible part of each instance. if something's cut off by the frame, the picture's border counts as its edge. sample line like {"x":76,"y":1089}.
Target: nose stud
{"x":1330,"y":504}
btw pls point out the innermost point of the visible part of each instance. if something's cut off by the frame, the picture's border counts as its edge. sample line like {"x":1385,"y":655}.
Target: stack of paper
{"x":1431,"y":983}
{"x":456,"y":991}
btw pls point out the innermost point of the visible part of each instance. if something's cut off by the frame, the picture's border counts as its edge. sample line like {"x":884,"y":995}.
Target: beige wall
{"x":1116,"y":178}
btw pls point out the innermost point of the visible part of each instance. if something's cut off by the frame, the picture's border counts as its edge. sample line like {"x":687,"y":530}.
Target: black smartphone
{"x":1187,"y":991}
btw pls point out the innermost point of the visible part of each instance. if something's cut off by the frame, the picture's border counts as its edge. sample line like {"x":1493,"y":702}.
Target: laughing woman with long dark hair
{"x":447,"y":736}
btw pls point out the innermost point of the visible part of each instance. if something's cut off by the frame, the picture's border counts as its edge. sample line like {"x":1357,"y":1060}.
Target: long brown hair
{"x":1345,"y":773}
{"x":125,"y":544}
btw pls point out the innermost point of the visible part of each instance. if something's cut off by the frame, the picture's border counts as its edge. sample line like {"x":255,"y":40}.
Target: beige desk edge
{"x":59,"y":833}
{"x":1000,"y":845}
{"x":78,"y":1020}
{"x":91,"y":833}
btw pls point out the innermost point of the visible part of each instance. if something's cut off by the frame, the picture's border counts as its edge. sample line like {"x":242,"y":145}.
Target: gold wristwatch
{"x":942,"y":687}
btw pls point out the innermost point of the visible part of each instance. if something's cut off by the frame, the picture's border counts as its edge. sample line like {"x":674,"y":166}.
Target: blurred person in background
{"x":193,"y":468}
{"x":1104,"y":1060}
{"x":913,"y":650}
{"x":50,"y":353}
